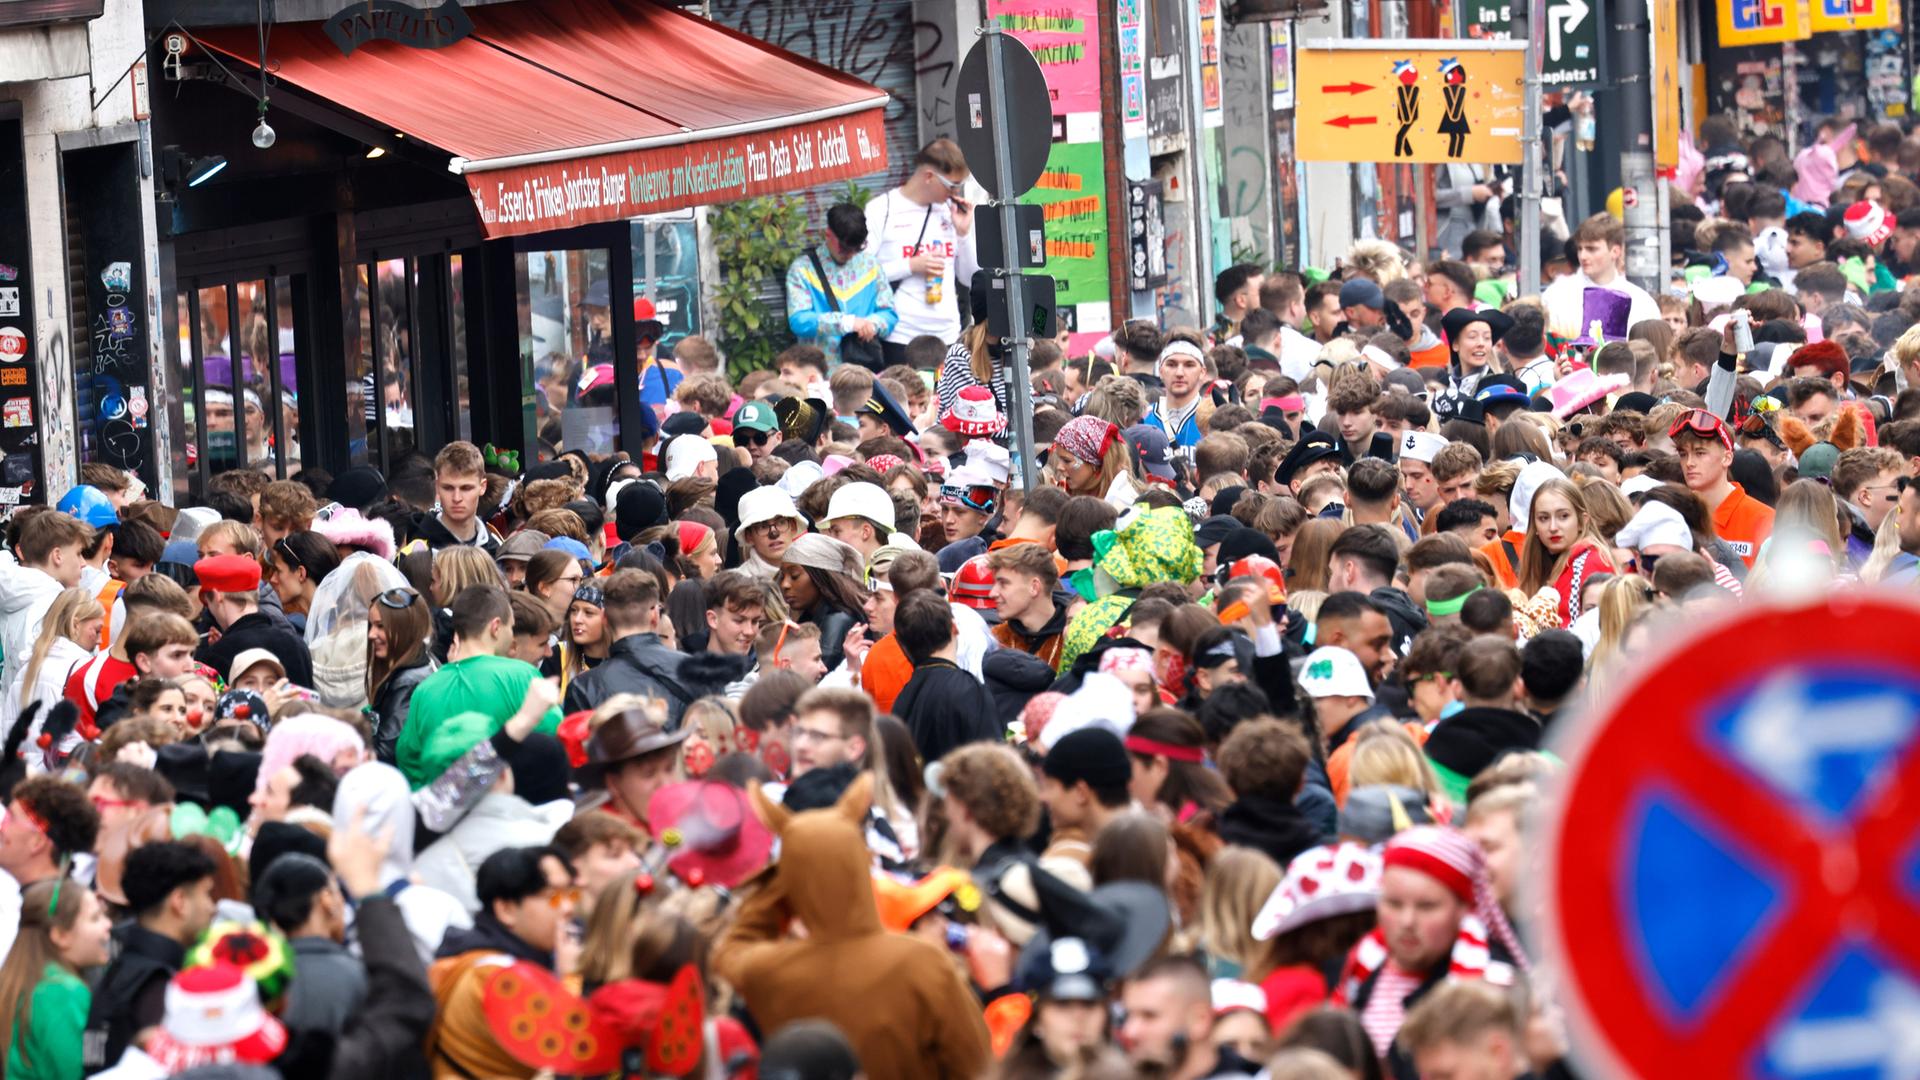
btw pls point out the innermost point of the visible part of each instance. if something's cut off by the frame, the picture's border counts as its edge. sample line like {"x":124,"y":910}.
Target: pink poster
{"x":1061,"y":35}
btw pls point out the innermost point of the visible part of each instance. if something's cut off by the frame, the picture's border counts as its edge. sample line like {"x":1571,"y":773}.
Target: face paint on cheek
{"x":699,"y":760}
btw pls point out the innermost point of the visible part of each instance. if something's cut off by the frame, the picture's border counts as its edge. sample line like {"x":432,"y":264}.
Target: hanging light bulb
{"x":263,"y":134}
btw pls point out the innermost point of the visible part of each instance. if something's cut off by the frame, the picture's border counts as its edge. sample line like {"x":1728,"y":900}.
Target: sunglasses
{"x":559,"y":897}
{"x":398,"y":598}
{"x":753,"y":438}
{"x":975,"y":497}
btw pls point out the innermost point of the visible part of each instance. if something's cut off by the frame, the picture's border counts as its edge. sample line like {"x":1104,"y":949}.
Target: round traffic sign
{"x":1732,"y":868}
{"x":1027,"y":117}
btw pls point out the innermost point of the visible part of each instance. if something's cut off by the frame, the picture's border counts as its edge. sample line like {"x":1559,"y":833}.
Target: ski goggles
{"x":1702,"y":423}
{"x":976,"y":497}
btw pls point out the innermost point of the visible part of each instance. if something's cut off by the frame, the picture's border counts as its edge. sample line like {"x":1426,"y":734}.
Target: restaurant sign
{"x":391,"y":20}
{"x":516,"y":199}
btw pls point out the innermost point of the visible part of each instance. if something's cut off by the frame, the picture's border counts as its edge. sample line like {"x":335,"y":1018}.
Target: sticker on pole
{"x":13,"y":345}
{"x":1732,"y":870}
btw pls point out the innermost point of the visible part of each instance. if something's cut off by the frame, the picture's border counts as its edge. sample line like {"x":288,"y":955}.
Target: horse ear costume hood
{"x":1847,"y":433}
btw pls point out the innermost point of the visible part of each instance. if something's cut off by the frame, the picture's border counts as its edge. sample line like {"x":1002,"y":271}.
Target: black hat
{"x":358,"y":487}
{"x":277,"y":838}
{"x":1636,"y":401}
{"x":882,"y":405}
{"x":1453,"y":405}
{"x":802,"y":421}
{"x":639,"y":507}
{"x":540,"y":768}
{"x":809,"y":1050}
{"x":1224,"y":499}
{"x":230,"y":780}
{"x":1313,"y":446}
{"x":734,"y":483}
{"x":184,"y":764}
{"x":1456,"y":321}
{"x":685,"y":422}
{"x":1123,"y":922}
{"x":817,"y":789}
{"x":1243,"y":542}
{"x":1093,"y":754}
{"x":1214,"y":529}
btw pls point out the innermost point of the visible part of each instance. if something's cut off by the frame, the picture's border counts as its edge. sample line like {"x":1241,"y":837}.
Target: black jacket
{"x":635,"y":664}
{"x":427,"y":527}
{"x":1273,"y":826}
{"x":945,"y":707}
{"x":489,"y":934}
{"x":390,"y":707}
{"x":834,"y":624}
{"x":1474,"y":738}
{"x":1012,"y":678}
{"x":259,"y":630}
{"x":131,"y":995}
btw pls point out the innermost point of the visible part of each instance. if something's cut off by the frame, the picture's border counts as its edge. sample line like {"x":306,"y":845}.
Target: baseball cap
{"x":1362,"y":292}
{"x":685,"y":455}
{"x":1151,"y":450}
{"x":250,"y":657}
{"x":1331,"y":671}
{"x":756,"y":416}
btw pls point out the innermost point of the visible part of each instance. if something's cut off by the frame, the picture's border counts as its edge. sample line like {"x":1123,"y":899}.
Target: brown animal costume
{"x":898,"y":999}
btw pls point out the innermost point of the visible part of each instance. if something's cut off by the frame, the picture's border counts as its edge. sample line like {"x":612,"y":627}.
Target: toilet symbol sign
{"x":1732,"y":870}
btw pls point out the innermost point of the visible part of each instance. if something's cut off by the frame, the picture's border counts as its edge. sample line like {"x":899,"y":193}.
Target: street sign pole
{"x":1021,"y":420}
{"x":1527,"y":18}
{"x":1633,"y":44}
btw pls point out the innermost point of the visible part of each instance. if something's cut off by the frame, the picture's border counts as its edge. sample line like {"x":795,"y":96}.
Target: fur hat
{"x":347,"y":527}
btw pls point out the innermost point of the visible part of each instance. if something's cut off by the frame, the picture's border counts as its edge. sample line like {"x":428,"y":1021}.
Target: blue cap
{"x":91,"y":505}
{"x":572,"y":547}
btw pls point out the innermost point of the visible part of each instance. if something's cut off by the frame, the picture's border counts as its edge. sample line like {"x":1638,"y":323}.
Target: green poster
{"x":1074,"y":192}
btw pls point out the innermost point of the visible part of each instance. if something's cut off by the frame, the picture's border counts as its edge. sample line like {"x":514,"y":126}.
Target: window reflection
{"x":566,"y":327}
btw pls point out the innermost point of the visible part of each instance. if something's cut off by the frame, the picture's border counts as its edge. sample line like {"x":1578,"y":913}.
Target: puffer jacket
{"x":390,"y":707}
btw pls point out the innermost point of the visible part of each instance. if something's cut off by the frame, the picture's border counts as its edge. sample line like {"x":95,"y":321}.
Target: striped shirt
{"x":956,"y":374}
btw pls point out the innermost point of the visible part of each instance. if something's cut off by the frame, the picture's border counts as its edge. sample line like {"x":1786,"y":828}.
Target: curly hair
{"x":1119,"y":400}
{"x":550,"y":494}
{"x":995,"y":786}
{"x":1263,"y":756}
{"x":1377,"y":259}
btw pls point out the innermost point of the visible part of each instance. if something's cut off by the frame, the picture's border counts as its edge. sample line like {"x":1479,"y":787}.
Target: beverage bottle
{"x":934,"y":287}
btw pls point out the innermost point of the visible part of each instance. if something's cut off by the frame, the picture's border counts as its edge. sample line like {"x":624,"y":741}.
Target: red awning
{"x":568,"y":112}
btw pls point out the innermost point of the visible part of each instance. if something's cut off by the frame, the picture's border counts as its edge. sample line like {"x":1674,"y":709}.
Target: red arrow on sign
{"x":1350,"y":121}
{"x":1347,"y":88}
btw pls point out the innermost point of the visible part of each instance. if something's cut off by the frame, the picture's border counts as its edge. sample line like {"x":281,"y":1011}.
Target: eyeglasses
{"x":800,"y":735}
{"x":398,"y":598}
{"x":560,"y":898}
{"x":578,"y":575}
{"x":770,"y":528}
{"x":1642,"y":563}
{"x":954,"y":187}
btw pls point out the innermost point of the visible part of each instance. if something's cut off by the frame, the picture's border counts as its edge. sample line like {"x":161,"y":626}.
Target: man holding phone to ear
{"x":922,"y":234}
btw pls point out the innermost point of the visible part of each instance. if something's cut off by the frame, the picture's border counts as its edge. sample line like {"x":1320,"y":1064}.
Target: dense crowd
{"x":807,"y":741}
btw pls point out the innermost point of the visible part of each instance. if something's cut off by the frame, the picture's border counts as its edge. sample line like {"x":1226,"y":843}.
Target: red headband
{"x":1170,"y":751}
{"x":1289,"y":402}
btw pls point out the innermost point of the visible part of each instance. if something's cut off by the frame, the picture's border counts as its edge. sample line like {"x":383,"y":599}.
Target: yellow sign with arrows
{"x":1421,"y":101}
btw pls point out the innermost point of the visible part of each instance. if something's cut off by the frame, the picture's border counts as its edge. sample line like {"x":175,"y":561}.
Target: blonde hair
{"x":1608,"y":508}
{"x":1377,"y":259}
{"x":462,"y":567}
{"x":1385,"y":754}
{"x":1238,"y":882}
{"x":1622,"y":601}
{"x":71,"y":608}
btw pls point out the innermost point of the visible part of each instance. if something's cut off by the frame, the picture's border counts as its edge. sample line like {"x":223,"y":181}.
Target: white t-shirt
{"x":1566,"y":302}
{"x":1297,"y":354}
{"x":894,"y":225}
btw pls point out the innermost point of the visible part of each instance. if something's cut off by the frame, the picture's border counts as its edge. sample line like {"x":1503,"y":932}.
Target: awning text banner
{"x":623,"y":184}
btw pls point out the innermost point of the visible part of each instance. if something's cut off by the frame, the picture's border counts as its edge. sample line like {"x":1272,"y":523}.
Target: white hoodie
{"x":26,"y":593}
{"x":383,"y":792}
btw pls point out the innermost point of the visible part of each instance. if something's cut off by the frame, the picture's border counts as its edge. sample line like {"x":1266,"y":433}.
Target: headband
{"x":1380,"y":356}
{"x":1126,"y":658}
{"x":1453,"y":606}
{"x":1171,"y":751}
{"x":1290,"y":403}
{"x":1179,"y":348}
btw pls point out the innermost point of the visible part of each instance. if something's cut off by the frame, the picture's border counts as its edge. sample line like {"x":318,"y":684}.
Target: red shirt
{"x":112,"y":673}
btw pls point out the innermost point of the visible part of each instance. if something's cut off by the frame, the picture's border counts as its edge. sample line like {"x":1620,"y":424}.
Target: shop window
{"x":566,"y":328}
{"x":396,"y":352}
{"x":213,"y":353}
{"x":462,"y":388}
{"x":363,"y":408}
{"x":287,"y":370}
{"x":239,"y":377}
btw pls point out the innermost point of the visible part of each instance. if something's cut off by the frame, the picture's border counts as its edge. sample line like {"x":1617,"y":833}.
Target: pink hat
{"x":1870,"y":223}
{"x":1581,"y":389}
{"x":974,"y":414}
{"x":884,"y":463}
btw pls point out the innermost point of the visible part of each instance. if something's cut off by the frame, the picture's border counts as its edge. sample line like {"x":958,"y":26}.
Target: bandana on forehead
{"x":1087,"y":438}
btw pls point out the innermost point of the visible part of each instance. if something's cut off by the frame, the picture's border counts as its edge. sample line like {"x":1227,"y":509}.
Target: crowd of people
{"x":805,"y":740}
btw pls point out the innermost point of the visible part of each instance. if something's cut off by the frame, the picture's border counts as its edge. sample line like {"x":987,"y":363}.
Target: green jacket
{"x":52,"y":1037}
